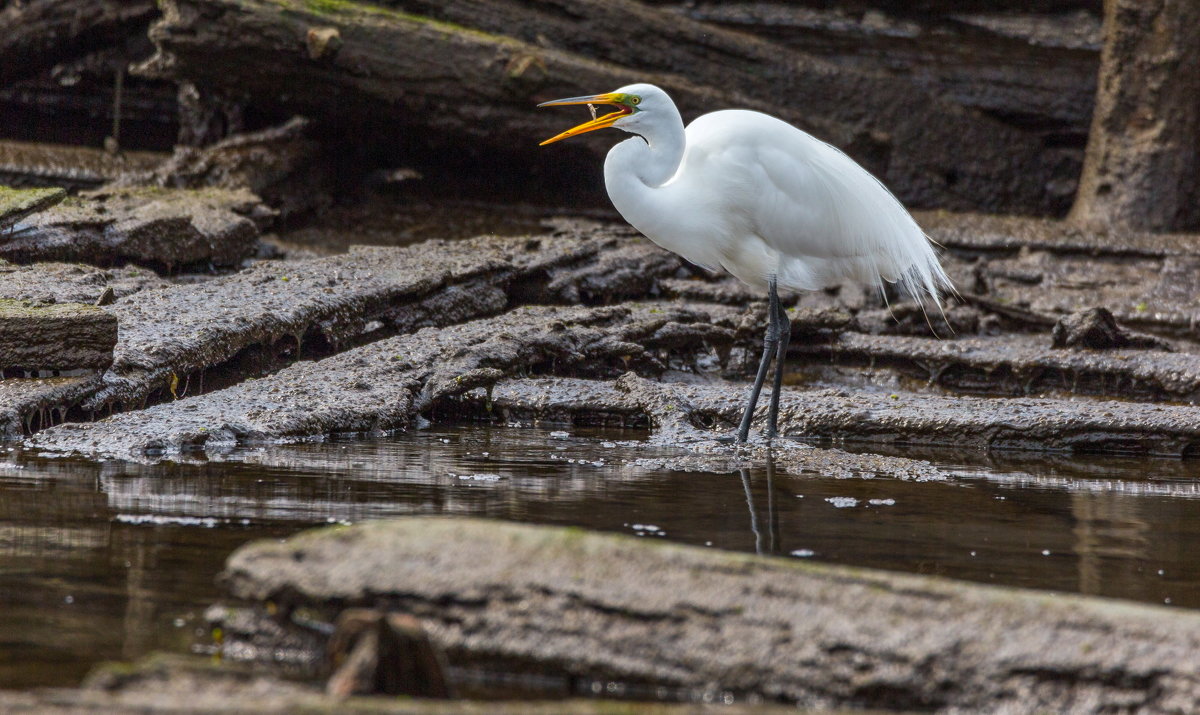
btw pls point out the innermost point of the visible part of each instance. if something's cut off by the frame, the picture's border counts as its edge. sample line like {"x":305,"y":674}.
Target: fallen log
{"x":1016,"y":365}
{"x":204,"y":336}
{"x":163,"y":684}
{"x":51,"y":282}
{"x":989,"y":232}
{"x":31,"y":404}
{"x":59,"y":336}
{"x":41,"y":34}
{"x":972,"y":55}
{"x":16,"y":204}
{"x":384,"y":385}
{"x":612,"y":607}
{"x":76,"y":167}
{"x":149,"y":226}
{"x":693,"y":415}
{"x":478,"y":76}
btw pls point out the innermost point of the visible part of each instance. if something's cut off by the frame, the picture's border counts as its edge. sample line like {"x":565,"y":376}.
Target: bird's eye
{"x":636,"y":100}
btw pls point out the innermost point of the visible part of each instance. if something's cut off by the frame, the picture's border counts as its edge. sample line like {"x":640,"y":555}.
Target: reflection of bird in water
{"x":752,"y":194}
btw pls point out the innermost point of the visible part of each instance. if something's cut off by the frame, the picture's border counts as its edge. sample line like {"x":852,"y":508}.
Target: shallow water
{"x":112,"y":560}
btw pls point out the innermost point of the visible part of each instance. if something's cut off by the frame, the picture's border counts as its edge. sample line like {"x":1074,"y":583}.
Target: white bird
{"x":769,"y":203}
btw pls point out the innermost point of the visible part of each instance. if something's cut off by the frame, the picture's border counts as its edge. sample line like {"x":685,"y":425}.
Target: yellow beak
{"x":598,"y":122}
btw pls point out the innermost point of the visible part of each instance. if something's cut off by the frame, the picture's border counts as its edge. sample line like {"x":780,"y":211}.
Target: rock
{"x":1097,"y":329}
{"x":614,"y":607}
{"x":61,"y":336}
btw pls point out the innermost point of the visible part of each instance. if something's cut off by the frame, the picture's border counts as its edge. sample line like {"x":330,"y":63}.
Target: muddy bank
{"x":613,"y":607}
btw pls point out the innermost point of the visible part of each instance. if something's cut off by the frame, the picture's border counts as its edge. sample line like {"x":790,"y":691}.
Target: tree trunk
{"x":1142,"y":168}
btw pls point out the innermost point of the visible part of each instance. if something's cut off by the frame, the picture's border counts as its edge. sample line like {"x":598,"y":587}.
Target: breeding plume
{"x":774,"y":206}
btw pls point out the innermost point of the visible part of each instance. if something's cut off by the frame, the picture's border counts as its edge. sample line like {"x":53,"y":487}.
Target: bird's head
{"x":634,"y":104}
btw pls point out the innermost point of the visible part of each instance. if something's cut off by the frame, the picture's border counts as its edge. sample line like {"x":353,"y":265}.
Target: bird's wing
{"x":817,"y":207}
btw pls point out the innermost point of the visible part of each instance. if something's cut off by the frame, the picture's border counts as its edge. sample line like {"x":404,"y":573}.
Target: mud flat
{"x":536,"y":599}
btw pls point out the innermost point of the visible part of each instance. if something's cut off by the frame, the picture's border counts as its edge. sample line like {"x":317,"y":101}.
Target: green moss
{"x":18,"y":203}
{"x":12,"y":308}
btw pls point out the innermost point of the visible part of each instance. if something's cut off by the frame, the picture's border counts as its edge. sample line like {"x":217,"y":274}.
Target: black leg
{"x":745,"y":473}
{"x":785,"y":333}
{"x":770,"y":341}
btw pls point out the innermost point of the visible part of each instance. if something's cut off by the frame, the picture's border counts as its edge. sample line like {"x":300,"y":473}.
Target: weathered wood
{"x":60,"y":336}
{"x":72,"y":282}
{"x":1143,"y":159}
{"x":192,"y":338}
{"x":69,"y":166}
{"x":462,"y":82}
{"x":985,"y":58}
{"x":164,"y":684}
{"x":373,"y":652}
{"x":170,"y":228}
{"x":41,"y":33}
{"x":616,"y":607}
{"x":384,"y":385}
{"x":694,"y":414}
{"x":31,"y":404}
{"x":16,"y":204}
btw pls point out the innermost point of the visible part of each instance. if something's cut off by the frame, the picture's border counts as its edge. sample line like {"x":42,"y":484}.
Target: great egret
{"x":752,"y":194}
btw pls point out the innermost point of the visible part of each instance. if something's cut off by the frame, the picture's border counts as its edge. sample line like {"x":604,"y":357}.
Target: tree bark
{"x":1142,"y":168}
{"x":38,"y":34}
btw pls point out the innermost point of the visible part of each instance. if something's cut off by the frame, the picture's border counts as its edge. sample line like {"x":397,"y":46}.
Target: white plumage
{"x":752,"y":194}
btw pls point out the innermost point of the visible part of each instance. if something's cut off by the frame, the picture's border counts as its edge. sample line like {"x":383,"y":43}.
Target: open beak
{"x":597,"y":122}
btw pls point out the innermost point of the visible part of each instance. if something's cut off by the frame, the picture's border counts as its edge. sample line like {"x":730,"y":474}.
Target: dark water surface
{"x":103,"y":561}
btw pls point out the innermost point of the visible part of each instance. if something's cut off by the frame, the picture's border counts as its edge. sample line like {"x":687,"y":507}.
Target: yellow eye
{"x":636,"y":100}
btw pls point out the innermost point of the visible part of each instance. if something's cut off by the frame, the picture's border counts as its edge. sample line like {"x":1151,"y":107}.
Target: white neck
{"x":636,"y":168}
